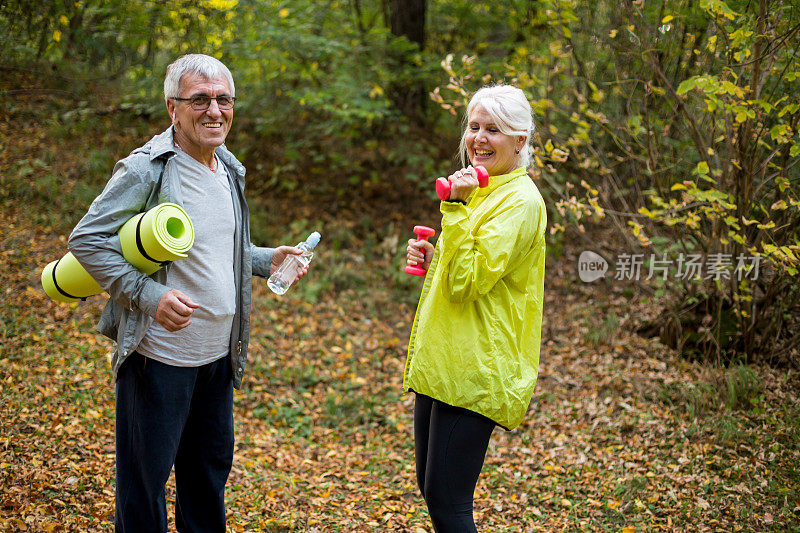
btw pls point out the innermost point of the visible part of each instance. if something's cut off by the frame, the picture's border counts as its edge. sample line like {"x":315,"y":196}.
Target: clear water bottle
{"x":282,"y":279}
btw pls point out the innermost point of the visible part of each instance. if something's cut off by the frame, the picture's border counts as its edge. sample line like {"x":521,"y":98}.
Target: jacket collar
{"x":502,"y":179}
{"x":230,"y":161}
{"x":163,"y":145}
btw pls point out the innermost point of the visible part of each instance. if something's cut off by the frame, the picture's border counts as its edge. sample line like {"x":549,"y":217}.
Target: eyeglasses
{"x":201,"y":102}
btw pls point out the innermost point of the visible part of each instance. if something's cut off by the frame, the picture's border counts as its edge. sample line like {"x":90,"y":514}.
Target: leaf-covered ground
{"x":621,"y":435}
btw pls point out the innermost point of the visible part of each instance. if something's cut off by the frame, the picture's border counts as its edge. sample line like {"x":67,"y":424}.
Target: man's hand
{"x":280,"y":253}
{"x":174,"y":310}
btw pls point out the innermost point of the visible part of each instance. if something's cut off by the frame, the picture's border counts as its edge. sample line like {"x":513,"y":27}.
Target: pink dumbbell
{"x":423,"y":232}
{"x":443,"y":184}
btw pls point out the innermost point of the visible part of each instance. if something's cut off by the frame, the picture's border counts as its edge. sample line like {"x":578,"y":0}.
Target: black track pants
{"x":173,"y":415}
{"x":450,"y":446}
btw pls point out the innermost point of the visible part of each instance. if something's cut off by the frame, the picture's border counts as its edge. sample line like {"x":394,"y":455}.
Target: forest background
{"x":667,"y":144}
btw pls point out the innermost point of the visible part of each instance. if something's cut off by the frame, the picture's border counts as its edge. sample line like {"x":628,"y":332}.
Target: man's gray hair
{"x":208,"y":67}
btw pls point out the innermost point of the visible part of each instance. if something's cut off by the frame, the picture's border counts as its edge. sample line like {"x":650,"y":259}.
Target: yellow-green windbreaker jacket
{"x":476,"y":334}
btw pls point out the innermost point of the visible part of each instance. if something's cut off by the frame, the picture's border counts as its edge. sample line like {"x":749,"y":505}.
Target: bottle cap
{"x":313,"y":239}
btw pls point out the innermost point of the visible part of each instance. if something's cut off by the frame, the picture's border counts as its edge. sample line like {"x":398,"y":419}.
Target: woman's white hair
{"x":510,"y":111}
{"x":208,"y":67}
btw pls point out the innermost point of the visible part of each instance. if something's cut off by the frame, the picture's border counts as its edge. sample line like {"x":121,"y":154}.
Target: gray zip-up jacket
{"x":141,"y":181}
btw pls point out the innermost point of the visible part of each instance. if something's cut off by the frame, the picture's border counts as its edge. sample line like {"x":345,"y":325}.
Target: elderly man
{"x":181,"y":334}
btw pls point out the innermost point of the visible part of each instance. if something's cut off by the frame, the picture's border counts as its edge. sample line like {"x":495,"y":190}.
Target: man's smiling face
{"x":200,"y":131}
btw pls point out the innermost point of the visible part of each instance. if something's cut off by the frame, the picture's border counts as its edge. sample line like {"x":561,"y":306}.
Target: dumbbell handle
{"x":423,"y":232}
{"x":443,"y":184}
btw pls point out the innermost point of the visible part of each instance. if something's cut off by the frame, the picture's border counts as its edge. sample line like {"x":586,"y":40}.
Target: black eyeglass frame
{"x":195,"y":100}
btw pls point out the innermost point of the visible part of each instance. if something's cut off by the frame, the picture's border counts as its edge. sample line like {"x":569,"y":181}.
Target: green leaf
{"x":789,"y":108}
{"x":647,"y":213}
{"x":718,"y":7}
{"x":687,"y":85}
{"x":779,"y":131}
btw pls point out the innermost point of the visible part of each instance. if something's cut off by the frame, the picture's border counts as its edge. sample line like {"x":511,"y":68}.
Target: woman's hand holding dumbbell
{"x":419,"y":254}
{"x":460,"y":184}
{"x":419,"y":251}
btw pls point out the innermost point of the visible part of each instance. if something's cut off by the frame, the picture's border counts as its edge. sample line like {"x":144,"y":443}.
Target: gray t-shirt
{"x":206,"y":275}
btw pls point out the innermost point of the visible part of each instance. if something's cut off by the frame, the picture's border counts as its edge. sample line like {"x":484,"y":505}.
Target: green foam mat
{"x":148,"y":240}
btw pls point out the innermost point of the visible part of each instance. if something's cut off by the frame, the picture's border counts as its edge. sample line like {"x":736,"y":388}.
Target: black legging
{"x":450,"y":445}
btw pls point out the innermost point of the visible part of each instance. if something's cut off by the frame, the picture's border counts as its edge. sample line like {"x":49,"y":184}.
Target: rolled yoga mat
{"x":149,"y":240}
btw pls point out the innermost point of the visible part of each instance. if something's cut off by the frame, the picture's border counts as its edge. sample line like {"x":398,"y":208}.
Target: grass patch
{"x":600,"y":333}
{"x":737,"y":389}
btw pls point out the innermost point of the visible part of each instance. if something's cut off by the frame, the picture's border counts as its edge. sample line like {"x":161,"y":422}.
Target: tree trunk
{"x":407,"y":19}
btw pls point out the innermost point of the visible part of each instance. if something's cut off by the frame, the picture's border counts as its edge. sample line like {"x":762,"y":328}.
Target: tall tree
{"x":407,"y":19}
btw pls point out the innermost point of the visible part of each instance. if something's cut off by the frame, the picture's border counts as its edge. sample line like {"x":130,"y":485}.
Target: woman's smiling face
{"x":488,"y":146}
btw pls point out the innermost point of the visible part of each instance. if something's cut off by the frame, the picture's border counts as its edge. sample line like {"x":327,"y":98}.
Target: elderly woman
{"x":473,"y":357}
